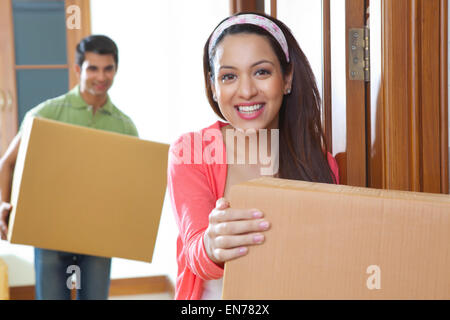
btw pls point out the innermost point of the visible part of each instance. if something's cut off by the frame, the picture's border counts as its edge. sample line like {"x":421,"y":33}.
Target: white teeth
{"x":250,"y":109}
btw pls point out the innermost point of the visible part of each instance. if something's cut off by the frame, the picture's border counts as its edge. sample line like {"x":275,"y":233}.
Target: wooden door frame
{"x":8,"y":89}
{"x":444,"y":104}
{"x":74,"y":36}
{"x":353,"y":171}
{"x":408,"y":111}
{"x":411,"y":105}
{"x":398,"y":137}
{"x":246,"y":6}
{"x":250,"y":5}
{"x":326,"y":61}
{"x":352,"y":161}
{"x":8,"y":81}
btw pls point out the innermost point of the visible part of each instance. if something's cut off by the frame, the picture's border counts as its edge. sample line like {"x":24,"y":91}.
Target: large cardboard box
{"x":87,"y":191}
{"x":341,"y":242}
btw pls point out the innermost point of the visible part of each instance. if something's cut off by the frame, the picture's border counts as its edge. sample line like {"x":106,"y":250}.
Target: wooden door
{"x":391,"y":130}
{"x":396,"y":122}
{"x":409,"y":105}
{"x":347,"y":130}
{"x":36,"y":61}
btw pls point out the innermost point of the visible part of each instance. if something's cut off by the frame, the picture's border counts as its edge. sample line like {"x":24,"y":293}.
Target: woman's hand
{"x":5,"y":209}
{"x":231,"y":231}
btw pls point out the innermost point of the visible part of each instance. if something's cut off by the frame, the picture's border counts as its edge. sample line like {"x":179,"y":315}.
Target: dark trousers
{"x":54,"y":271}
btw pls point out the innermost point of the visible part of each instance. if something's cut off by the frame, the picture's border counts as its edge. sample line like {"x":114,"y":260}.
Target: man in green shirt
{"x":88,"y":105}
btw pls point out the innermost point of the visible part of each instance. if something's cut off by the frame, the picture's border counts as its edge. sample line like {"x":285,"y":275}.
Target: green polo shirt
{"x":71,"y":108}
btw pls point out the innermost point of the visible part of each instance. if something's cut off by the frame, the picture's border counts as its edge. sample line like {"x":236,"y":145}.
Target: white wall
{"x":304,"y":18}
{"x":160,"y":79}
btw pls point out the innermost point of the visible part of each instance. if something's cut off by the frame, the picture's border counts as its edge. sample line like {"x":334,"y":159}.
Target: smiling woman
{"x":248,"y":82}
{"x":259,"y":81}
{"x":302,"y":142}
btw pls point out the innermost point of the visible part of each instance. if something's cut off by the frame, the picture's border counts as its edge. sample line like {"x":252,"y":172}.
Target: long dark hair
{"x":303,"y":154}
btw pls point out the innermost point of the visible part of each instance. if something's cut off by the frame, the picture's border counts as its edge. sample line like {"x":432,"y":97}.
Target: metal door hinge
{"x":359,"y":54}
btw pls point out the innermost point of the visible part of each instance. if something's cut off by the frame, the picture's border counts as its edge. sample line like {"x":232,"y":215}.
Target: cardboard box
{"x":341,"y":242}
{"x":87,"y":191}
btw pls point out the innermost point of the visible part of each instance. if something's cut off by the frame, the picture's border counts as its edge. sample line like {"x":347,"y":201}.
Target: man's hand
{"x":5,"y":209}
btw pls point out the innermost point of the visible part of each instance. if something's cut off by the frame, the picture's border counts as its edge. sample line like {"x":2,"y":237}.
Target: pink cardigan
{"x":194,"y":189}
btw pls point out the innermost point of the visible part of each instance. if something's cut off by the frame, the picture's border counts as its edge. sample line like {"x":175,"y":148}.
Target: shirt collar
{"x":77,"y":101}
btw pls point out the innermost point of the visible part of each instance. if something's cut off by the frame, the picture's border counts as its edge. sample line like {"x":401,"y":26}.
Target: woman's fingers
{"x":5,"y":208}
{"x":228,"y":242}
{"x":222,"y":204}
{"x":231,"y":231}
{"x":3,"y":232}
{"x":223,"y":215}
{"x":229,"y":254}
{"x":240,"y":227}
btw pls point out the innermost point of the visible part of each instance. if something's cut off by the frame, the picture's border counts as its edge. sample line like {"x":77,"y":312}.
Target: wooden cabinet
{"x":38,"y":40}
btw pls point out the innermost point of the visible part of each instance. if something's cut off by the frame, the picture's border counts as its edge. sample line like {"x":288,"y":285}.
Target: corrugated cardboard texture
{"x":340,"y":242}
{"x":87,"y":191}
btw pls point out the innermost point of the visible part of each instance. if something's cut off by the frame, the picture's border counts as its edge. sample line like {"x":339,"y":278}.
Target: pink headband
{"x":256,"y":20}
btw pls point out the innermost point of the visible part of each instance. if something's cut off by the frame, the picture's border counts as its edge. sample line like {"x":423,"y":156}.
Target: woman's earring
{"x":288,"y":91}
{"x":214,"y":97}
